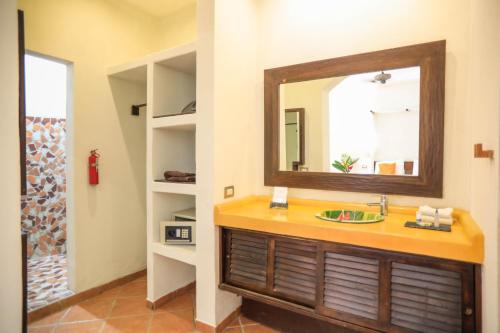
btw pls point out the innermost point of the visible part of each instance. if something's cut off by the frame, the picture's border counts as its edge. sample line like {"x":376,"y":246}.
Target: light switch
{"x":228,"y":192}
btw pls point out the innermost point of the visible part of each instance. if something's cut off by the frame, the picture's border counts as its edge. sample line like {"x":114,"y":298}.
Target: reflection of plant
{"x":345,"y":164}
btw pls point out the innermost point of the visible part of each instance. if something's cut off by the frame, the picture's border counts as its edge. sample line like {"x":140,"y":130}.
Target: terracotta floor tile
{"x":111,"y":293}
{"x":135,"y":288}
{"x":187,"y":314}
{"x":123,"y":310}
{"x":130,"y":306}
{"x":234,"y":323}
{"x":85,"y":327}
{"x":258,"y":329}
{"x":46,"y":329}
{"x":245,"y":321}
{"x":134,"y":324}
{"x":142,"y":281}
{"x":142,"y":278}
{"x":49,"y":320}
{"x":166,"y":322}
{"x":89,"y":310}
{"x":183,"y":302}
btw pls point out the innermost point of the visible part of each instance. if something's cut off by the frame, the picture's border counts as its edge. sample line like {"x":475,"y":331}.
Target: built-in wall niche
{"x":136,"y":73}
{"x":168,"y":84}
{"x":173,"y":150}
{"x":174,"y":85}
{"x":165,"y":205}
{"x":167,"y":275}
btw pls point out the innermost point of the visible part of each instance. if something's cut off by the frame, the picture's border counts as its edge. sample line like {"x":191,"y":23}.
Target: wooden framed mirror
{"x":375,"y":122}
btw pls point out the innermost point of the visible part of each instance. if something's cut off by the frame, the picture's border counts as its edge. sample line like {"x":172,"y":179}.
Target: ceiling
{"x":160,"y":8}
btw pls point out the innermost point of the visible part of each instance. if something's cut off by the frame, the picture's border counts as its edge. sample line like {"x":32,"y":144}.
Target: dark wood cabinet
{"x":351,"y":285}
{"x":364,"y":289}
{"x":426,"y":299}
{"x":294,"y":267}
{"x":247,"y":260}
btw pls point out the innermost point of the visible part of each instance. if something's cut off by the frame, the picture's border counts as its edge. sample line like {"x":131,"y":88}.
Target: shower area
{"x":43,"y":208}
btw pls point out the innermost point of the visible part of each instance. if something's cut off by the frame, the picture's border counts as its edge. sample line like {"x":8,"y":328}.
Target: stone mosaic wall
{"x":43,"y":209}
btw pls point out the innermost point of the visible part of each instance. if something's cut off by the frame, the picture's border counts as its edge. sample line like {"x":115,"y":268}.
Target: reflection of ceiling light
{"x":382,"y":77}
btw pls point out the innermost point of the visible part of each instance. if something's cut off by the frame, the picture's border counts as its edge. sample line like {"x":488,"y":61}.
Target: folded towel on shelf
{"x":429,"y":211}
{"x":169,"y":174}
{"x":442,"y":220}
{"x":180,"y":177}
{"x":186,"y":179}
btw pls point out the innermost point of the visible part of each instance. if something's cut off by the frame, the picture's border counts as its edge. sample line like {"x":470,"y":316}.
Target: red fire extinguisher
{"x":94,"y":167}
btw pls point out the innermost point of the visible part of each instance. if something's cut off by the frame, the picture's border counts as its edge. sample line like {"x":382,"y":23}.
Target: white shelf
{"x":184,"y":253}
{"x":135,"y":71}
{"x":181,"y":58}
{"x":176,"y":188}
{"x":171,"y":145}
{"x":180,"y":122}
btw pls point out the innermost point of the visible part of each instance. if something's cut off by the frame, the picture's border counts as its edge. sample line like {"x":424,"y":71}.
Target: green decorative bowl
{"x":350,"y":216}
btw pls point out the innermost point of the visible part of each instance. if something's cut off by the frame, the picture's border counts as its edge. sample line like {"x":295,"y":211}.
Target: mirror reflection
{"x":294,"y":138}
{"x":364,"y":123}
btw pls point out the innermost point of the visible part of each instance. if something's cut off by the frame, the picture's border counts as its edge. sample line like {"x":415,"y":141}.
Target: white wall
{"x":227,"y":122}
{"x":10,"y":237}
{"x":178,"y":27}
{"x":234,"y":111}
{"x":206,"y":259}
{"x":306,"y":26}
{"x":483,"y":117}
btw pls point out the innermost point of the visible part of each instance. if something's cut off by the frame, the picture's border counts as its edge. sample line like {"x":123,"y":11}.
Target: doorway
{"x":44,"y":206}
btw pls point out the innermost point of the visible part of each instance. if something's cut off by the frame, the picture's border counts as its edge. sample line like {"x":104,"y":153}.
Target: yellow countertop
{"x":465,"y":242}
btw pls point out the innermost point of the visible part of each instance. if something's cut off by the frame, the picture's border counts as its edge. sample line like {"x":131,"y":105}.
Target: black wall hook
{"x":135,"y":109}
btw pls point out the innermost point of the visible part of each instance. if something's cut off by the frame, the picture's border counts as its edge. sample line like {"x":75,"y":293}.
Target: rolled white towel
{"x":429,"y":211}
{"x":442,"y":220}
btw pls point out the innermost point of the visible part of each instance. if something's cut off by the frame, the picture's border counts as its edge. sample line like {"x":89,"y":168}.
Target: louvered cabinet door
{"x":295,"y":271}
{"x":373,"y":289}
{"x":425,"y":299}
{"x":351,"y":287}
{"x":246,"y":259}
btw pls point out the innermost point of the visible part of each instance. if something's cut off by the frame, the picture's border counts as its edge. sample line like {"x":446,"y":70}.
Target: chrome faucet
{"x":384,"y":205}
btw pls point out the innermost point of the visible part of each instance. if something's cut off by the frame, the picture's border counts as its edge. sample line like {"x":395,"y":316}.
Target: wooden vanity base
{"x":303,"y":285}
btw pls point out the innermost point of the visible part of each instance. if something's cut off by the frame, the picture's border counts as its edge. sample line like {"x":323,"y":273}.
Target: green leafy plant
{"x":345,"y":164}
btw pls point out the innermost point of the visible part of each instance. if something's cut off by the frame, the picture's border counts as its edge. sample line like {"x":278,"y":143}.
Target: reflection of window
{"x":376,"y":122}
{"x":351,"y":123}
{"x":46,"y":87}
